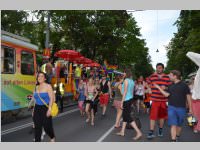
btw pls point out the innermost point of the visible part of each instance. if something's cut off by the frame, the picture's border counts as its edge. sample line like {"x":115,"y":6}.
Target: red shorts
{"x":158,"y":110}
{"x":104,"y":99}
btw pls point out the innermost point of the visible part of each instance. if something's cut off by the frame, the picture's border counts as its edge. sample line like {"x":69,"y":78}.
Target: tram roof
{"x":17,"y":40}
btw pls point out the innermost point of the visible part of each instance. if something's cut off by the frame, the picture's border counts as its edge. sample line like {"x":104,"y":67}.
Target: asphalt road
{"x":70,"y":127}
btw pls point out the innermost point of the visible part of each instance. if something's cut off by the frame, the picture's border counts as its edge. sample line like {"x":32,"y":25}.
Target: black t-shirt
{"x":178,"y":94}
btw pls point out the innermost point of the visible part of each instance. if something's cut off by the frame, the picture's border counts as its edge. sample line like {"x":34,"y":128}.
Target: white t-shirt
{"x":196,"y":87}
{"x":139,"y":89}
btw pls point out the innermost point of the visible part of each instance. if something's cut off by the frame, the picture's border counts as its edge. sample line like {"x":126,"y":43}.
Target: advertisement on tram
{"x":18,"y":71}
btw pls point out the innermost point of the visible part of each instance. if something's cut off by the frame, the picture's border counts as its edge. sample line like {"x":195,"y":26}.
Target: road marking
{"x":106,"y":134}
{"x":31,"y":123}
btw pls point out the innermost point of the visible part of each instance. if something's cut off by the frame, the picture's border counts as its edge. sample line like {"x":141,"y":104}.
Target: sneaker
{"x":150,"y":135}
{"x":160,"y":133}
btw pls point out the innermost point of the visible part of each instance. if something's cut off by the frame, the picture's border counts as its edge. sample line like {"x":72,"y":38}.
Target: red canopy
{"x":79,"y":60}
{"x":94,"y":64}
{"x":68,"y":55}
{"x":83,"y":61}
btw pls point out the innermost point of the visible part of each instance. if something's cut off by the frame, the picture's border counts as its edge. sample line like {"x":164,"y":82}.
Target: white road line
{"x":31,"y":123}
{"x":106,"y":134}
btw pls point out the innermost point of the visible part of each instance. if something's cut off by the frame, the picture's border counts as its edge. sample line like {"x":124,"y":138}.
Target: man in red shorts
{"x":159,"y":106}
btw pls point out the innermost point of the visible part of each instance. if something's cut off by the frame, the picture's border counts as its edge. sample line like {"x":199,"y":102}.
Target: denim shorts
{"x":176,"y":115}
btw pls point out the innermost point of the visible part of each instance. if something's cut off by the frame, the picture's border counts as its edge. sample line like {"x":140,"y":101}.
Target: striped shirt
{"x":163,"y":80}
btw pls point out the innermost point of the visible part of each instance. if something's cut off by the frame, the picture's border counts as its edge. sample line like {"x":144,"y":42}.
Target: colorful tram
{"x":18,"y":71}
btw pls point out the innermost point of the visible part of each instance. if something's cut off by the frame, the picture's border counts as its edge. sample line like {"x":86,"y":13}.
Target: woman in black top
{"x":105,"y":92}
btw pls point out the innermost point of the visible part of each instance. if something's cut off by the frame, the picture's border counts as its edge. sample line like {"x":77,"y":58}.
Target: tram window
{"x":27,"y":63}
{"x":7,"y":60}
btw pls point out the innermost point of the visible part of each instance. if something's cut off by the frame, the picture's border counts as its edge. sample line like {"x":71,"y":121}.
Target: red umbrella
{"x":68,"y":54}
{"x":83,"y":61}
{"x":79,"y":60}
{"x":87,"y":61}
{"x":94,"y":64}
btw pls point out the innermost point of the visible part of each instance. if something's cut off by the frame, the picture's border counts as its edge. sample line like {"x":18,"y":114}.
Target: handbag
{"x":54,"y":107}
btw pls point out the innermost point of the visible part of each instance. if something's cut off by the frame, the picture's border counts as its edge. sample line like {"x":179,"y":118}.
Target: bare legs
{"x":92,"y":117}
{"x":133,"y":124}
{"x":90,"y":114}
{"x":175,"y":131}
{"x":118,"y":117}
{"x":87,"y":107}
{"x":104,"y":109}
{"x":152,"y":124}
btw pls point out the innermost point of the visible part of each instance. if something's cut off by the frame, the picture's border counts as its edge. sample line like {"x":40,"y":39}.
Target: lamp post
{"x":46,"y":53}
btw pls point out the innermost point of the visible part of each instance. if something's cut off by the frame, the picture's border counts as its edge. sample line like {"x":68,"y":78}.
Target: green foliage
{"x":186,"y":39}
{"x":97,"y":34}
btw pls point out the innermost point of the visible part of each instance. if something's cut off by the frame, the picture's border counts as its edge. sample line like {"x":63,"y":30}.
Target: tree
{"x":186,"y":39}
{"x":98,"y":35}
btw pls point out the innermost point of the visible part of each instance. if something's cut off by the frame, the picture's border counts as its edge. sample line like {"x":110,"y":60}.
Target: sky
{"x":157,"y":29}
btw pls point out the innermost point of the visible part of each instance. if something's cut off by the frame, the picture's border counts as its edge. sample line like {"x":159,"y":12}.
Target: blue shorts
{"x":176,"y":115}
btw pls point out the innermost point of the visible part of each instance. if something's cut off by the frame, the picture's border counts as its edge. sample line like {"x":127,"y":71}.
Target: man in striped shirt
{"x":159,"y":106}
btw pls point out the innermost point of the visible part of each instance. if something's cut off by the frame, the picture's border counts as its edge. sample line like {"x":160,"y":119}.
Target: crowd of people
{"x":164,"y":97}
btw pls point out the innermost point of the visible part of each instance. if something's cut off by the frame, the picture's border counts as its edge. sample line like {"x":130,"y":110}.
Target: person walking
{"x":195,"y":57}
{"x":139,"y":93}
{"x":178,"y":93}
{"x":158,"y":107}
{"x":90,"y":93}
{"x":42,"y":115}
{"x":127,"y":90}
{"x":77,"y":75}
{"x":118,"y":100}
{"x":195,"y":108}
{"x":106,"y":92}
{"x":59,"y":92}
{"x":81,"y":97}
{"x":31,"y":106}
{"x":98,"y":88}
{"x":147,"y":97}
{"x":49,"y":71}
